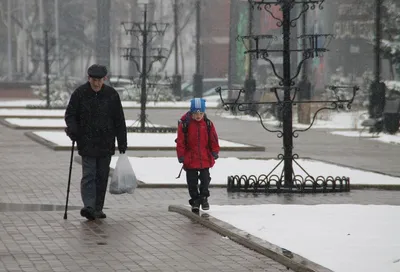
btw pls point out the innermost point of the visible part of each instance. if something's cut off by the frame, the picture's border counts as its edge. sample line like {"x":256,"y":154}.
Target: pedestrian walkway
{"x":139,"y":233}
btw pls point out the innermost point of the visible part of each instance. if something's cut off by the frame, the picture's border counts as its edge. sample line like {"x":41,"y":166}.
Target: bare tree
{"x":76,"y":28}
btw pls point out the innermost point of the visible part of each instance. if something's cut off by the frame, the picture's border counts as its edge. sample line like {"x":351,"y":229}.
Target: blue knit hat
{"x":198,"y":105}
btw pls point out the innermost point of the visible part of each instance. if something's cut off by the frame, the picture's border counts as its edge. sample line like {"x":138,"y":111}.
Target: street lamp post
{"x":103,"y":33}
{"x":177,"y":79}
{"x":377,"y":88}
{"x":378,"y":39}
{"x":47,"y":67}
{"x":9,"y":42}
{"x":198,"y":77}
{"x":250,"y":82}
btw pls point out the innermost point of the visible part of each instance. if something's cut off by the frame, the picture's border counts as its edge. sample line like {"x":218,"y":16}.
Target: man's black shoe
{"x":100,"y":214}
{"x":88,"y":213}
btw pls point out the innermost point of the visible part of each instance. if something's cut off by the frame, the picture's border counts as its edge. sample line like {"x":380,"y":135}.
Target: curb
{"x":55,"y":147}
{"x":44,"y":142}
{"x":32,"y":116}
{"x":10,"y":125}
{"x":32,"y":107}
{"x":4,"y":122}
{"x":281,"y":255}
{"x":383,"y":187}
{"x":176,"y":186}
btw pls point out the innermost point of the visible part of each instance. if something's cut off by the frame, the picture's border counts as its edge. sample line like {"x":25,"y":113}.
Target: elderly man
{"x":94,"y":118}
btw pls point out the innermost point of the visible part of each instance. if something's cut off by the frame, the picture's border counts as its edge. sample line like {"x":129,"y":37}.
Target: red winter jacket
{"x":197,"y":152}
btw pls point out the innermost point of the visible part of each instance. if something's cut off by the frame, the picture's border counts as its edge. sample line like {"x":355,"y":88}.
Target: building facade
{"x":351,"y":22}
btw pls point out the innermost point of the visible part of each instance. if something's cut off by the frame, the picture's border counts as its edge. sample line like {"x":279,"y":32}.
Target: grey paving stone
{"x":138,"y":235}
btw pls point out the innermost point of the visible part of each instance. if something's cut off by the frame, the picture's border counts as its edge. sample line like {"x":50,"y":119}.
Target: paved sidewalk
{"x":129,"y":240}
{"x":139,"y":233}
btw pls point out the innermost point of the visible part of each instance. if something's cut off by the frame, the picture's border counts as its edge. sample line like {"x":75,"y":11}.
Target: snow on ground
{"x":168,"y":168}
{"x":393,"y":85}
{"x":326,"y":120}
{"x":53,"y":122}
{"x":343,"y":238}
{"x":385,"y":138}
{"x":22,"y":103}
{"x":211,"y":103}
{"x":134,"y":139}
{"x":33,"y":112}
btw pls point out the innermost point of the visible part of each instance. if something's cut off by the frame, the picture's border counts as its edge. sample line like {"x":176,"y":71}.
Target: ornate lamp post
{"x":198,"y":76}
{"x":288,"y":180}
{"x":145,"y":31}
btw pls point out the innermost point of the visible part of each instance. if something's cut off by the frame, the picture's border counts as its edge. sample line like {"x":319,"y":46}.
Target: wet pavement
{"x":18,"y":207}
{"x":139,"y":233}
{"x":129,"y":240}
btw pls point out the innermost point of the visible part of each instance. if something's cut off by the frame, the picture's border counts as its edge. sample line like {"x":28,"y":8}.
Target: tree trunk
{"x":391,"y":69}
{"x":182,"y":59}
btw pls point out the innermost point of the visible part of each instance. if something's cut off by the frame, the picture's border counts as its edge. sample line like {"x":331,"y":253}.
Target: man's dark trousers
{"x":95,"y":171}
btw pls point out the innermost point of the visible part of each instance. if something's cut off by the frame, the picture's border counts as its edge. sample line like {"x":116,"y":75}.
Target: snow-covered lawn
{"x":393,"y":84}
{"x":211,"y":103}
{"x":385,"y":138}
{"x":22,"y":103}
{"x":56,"y":123}
{"x":31,"y":113}
{"x":168,"y":168}
{"x":343,"y":238}
{"x":59,"y":138}
{"x":325,"y":120}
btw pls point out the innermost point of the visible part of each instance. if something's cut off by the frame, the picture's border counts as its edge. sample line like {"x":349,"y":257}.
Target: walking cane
{"x":69,"y":179}
{"x":180,"y":172}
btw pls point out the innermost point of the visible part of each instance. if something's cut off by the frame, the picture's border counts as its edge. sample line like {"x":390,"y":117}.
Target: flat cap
{"x":97,"y":71}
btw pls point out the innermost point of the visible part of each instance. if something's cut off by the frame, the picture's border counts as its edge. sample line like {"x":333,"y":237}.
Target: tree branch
{"x":187,"y":20}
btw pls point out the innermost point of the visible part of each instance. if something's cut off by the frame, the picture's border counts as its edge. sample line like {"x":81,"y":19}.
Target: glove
{"x":72,"y":135}
{"x":215,"y":155}
{"x":181,"y":159}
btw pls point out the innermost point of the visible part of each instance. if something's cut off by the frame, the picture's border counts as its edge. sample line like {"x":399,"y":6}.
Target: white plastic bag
{"x":123,"y":179}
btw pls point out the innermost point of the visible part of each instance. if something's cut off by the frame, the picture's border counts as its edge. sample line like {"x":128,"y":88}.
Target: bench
{"x":375,"y":126}
{"x":389,"y":120}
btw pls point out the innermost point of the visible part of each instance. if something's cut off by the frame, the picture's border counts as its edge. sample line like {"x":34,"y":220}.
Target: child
{"x":197,"y":148}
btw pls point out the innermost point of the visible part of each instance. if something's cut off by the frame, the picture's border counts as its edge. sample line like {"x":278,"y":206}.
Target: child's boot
{"x":195,"y":204}
{"x":204,"y":204}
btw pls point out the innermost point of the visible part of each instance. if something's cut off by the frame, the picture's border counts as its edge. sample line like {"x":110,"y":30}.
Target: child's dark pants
{"x":192,"y":179}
